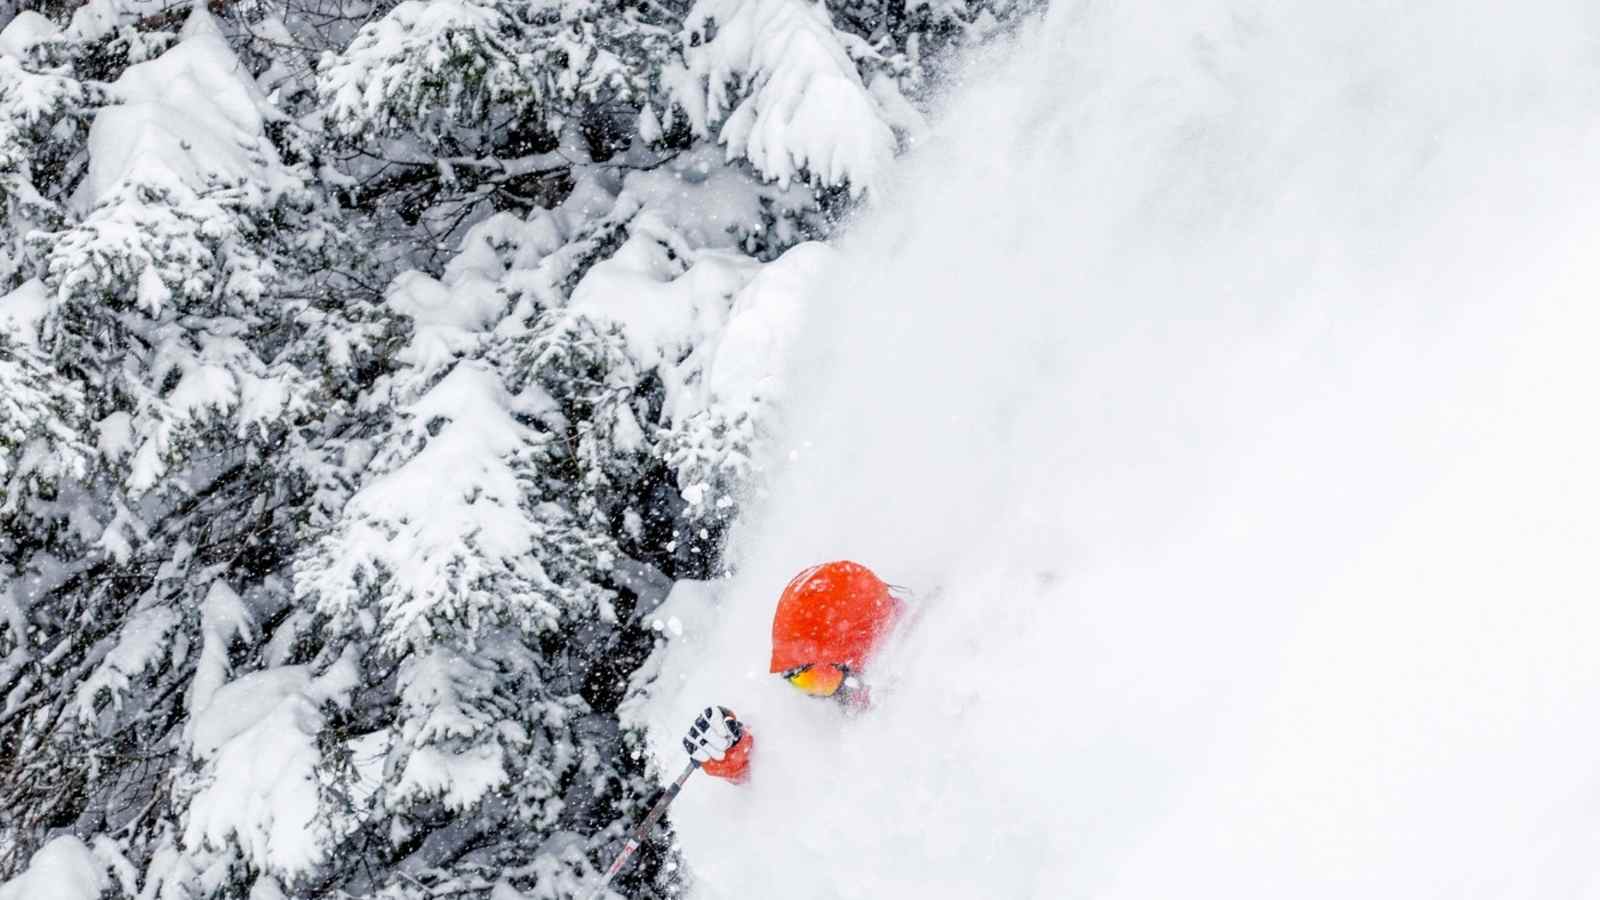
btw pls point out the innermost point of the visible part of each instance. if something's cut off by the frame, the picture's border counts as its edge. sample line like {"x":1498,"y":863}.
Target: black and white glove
{"x":713,"y":732}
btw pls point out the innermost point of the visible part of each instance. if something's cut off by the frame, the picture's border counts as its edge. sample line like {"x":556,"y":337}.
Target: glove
{"x":713,"y":733}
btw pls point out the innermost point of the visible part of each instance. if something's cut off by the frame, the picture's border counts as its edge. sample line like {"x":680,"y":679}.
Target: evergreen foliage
{"x":365,"y":379}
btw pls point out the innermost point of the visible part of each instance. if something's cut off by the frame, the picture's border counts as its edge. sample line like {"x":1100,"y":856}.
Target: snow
{"x":140,"y":644}
{"x":414,"y":42}
{"x":762,"y":326}
{"x":447,"y":322}
{"x":662,"y":308}
{"x":23,"y":310}
{"x":266,"y":888}
{"x":710,"y":204}
{"x":713,"y":325}
{"x":367,"y":754}
{"x":257,"y":741}
{"x":1216,"y":381}
{"x":114,"y":435}
{"x":262,"y":792}
{"x":459,"y":778}
{"x":175,"y":166}
{"x":186,"y":115}
{"x":26,"y":30}
{"x":474,"y":497}
{"x":63,"y":869}
{"x":896,"y":110}
{"x":120,"y":534}
{"x":802,"y":112}
{"x":235,"y":707}
{"x":98,"y":18}
{"x":438,"y":696}
{"x":223,"y":617}
{"x":715,"y":329}
{"x":483,"y":251}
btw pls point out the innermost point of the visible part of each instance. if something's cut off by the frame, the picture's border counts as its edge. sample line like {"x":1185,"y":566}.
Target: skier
{"x":829,"y":621}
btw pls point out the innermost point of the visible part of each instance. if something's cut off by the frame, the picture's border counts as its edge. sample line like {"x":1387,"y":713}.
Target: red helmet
{"x":833,"y":613}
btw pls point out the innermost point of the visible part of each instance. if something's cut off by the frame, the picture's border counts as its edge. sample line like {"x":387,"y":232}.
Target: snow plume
{"x":1218,"y":380}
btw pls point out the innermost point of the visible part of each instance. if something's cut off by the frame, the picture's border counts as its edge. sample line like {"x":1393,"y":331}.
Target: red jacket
{"x":735,"y":763}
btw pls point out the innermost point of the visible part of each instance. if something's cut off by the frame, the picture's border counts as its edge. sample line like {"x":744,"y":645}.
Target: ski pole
{"x":637,"y":838}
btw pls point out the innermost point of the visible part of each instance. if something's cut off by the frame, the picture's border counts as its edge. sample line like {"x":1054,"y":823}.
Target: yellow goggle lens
{"x":818,"y":681}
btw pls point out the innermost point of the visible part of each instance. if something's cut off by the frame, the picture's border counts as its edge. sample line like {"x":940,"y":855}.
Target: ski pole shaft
{"x":639,"y":833}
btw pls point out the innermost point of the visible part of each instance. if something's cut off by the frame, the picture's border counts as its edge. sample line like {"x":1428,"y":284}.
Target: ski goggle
{"x":818,"y":681}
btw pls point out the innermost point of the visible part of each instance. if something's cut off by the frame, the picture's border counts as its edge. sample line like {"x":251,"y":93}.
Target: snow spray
{"x":1223,"y":374}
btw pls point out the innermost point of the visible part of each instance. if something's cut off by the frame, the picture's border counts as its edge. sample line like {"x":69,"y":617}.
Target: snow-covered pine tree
{"x":467,"y":575}
{"x":446,"y":112}
{"x":186,"y":298}
{"x":42,"y":456}
{"x":317,"y":596}
{"x":44,"y":118}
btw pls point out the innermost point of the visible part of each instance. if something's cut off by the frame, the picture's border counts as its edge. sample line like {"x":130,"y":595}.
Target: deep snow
{"x":1220,"y":376}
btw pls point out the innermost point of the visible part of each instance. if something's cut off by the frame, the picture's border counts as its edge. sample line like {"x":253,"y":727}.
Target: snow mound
{"x":23,"y":311}
{"x":186,"y":115}
{"x":663,"y":301}
{"x":256,"y":741}
{"x":263,"y":791}
{"x":64,"y":869}
{"x":448,"y":318}
{"x":766,"y":316}
{"x":24,"y":32}
{"x":1233,"y":450}
{"x":714,"y":324}
{"x":239,"y":705}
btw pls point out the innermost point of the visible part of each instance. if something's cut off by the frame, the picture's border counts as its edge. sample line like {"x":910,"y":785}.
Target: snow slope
{"x":1220,"y":376}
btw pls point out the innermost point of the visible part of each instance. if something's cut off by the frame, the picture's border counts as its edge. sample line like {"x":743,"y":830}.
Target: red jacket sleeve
{"x":734,"y":764}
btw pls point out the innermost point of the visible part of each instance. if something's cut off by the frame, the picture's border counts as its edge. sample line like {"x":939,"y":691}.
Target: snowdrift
{"x":1219,"y":379}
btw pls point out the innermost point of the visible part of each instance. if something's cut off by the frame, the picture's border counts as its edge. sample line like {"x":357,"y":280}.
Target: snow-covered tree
{"x":367,"y":374}
{"x":775,"y":83}
{"x":42,"y":451}
{"x":446,"y":112}
{"x":189,"y":314}
{"x":43,"y":121}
